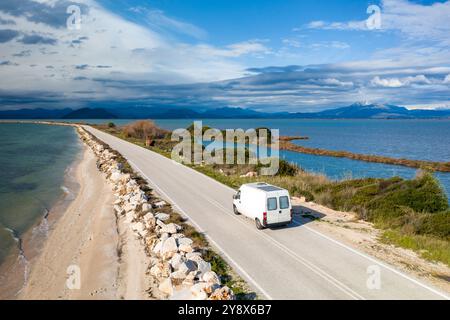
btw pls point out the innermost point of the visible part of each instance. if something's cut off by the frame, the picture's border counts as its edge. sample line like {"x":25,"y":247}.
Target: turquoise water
{"x":33,"y":162}
{"x":410,"y":139}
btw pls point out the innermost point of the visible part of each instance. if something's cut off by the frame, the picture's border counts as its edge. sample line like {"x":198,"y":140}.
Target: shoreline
{"x":29,"y":245}
{"x":95,"y":251}
{"x":70,"y":242}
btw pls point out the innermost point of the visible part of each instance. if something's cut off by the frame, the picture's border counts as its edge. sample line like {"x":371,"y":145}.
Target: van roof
{"x":264,"y":186}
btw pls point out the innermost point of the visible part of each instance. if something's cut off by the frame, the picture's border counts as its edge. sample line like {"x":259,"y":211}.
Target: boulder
{"x":146,"y":207}
{"x":250,"y":174}
{"x":203,"y":267}
{"x":194,"y":256}
{"x":160,"y":270}
{"x":176,"y":261}
{"x":148,"y":216}
{"x":159,"y":204}
{"x":178,"y":276}
{"x":162,"y":216}
{"x":115,"y":176}
{"x":185,"y":248}
{"x":169,"y":248}
{"x":198,"y":292}
{"x":157,"y":248}
{"x":166,"y":287}
{"x":185,"y":241}
{"x":187,"y":266}
{"x":211,"y":277}
{"x":169,"y":228}
{"x":223,"y":293}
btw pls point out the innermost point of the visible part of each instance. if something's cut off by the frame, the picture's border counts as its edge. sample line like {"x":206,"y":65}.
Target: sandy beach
{"x":85,"y":238}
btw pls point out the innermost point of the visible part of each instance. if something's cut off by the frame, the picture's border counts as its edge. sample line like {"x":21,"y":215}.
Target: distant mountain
{"x":34,"y":113}
{"x":366,"y":111}
{"x":232,"y":113}
{"x":88,"y":113}
{"x":354,"y":111}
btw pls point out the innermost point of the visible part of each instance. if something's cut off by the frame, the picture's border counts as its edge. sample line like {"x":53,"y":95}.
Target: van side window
{"x":284,"y":202}
{"x":272,"y":204}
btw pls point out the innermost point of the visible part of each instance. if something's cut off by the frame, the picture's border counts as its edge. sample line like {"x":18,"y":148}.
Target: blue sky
{"x":267,"y":55}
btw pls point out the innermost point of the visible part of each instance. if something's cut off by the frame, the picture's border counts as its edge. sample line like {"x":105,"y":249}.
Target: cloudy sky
{"x":267,"y":55}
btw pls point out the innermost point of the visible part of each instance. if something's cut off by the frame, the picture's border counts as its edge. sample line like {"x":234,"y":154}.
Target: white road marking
{"x":295,"y":222}
{"x":201,"y":230}
{"x":376,"y":261}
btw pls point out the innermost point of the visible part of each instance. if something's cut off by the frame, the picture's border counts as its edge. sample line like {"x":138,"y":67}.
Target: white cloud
{"x":399,"y":82}
{"x":350,"y":25}
{"x":157,"y":18}
{"x":429,"y":22}
{"x":292,"y":43}
{"x":389,"y":83}
{"x":131,"y":52}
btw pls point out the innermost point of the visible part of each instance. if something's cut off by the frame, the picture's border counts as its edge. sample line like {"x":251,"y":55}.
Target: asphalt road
{"x":296,"y":262}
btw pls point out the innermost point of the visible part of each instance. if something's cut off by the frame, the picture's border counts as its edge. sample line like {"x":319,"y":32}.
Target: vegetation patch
{"x":414,"y":213}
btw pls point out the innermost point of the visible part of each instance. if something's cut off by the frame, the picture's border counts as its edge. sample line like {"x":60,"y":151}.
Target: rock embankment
{"x":176,"y":268}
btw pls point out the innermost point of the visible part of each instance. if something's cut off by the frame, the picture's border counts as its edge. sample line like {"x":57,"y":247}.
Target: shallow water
{"x":33,"y":161}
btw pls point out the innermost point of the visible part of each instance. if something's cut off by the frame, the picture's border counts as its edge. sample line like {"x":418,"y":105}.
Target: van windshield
{"x":284,"y":202}
{"x":272,"y":204}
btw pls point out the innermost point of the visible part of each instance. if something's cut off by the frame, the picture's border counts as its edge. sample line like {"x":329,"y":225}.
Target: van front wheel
{"x":259,"y":226}
{"x":235,"y":210}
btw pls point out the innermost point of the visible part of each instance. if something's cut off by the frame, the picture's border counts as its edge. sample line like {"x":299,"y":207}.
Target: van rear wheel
{"x":259,"y":226}
{"x":235,"y":210}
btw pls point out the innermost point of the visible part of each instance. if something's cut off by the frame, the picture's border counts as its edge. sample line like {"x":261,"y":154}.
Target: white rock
{"x":162,"y":216}
{"x":166,"y":287}
{"x":176,"y":261}
{"x":157,"y":247}
{"x":169,"y":228}
{"x":160,"y":223}
{"x":223,"y":293}
{"x":185,"y":241}
{"x":187,"y":266}
{"x":146,"y":207}
{"x":178,"y":275}
{"x":148,"y":216}
{"x":164,"y":237}
{"x":203,"y":267}
{"x":211,"y":277}
{"x":159,"y":204}
{"x":194,"y":256}
{"x":198,"y":292}
{"x":169,"y":248}
{"x":115,"y":176}
{"x":185,"y":248}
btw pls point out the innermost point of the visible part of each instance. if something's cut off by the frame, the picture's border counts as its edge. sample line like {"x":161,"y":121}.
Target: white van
{"x":267,"y":205}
